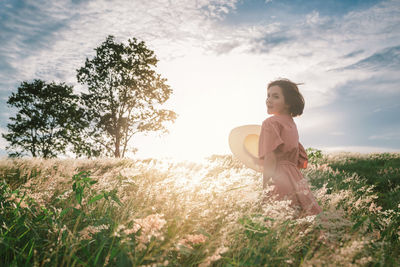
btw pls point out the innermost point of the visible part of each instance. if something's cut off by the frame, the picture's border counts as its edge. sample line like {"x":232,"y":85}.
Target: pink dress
{"x":279,"y":134}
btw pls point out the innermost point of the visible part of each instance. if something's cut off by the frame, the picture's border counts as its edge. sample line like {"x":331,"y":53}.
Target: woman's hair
{"x":292,"y":95}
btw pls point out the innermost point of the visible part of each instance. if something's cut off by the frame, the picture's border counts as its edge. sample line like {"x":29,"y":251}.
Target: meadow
{"x":120,"y":212}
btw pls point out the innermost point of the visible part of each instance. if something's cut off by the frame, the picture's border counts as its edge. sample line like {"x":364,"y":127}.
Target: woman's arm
{"x":269,"y":167}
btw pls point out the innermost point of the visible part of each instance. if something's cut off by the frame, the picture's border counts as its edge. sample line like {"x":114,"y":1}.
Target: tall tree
{"x":47,"y":121}
{"x":124,"y":96}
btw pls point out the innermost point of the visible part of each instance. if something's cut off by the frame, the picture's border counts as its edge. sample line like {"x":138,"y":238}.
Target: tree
{"x":124,"y":95}
{"x":47,"y":121}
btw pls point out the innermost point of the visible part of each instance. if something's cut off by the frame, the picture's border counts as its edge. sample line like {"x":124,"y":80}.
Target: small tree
{"x":124,"y":95}
{"x":48,"y":119}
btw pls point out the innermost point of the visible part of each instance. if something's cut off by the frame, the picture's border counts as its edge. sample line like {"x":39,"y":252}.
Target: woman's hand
{"x":269,"y":165}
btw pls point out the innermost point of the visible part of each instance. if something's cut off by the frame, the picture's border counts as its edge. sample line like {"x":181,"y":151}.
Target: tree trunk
{"x":117,"y":144}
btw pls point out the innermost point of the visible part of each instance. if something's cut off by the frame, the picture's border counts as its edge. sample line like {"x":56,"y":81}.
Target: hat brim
{"x":243,"y":142}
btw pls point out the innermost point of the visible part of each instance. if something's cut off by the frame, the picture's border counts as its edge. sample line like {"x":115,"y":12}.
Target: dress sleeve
{"x":303,"y":159}
{"x":270,"y":138}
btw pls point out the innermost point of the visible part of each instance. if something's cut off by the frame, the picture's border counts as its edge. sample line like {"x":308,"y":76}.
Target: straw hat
{"x":243,"y":141}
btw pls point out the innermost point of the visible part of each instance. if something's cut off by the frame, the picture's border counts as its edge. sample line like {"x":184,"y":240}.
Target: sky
{"x":218,"y":57}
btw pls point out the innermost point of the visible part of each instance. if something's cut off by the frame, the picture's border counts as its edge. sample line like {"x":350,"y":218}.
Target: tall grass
{"x":110,"y":212}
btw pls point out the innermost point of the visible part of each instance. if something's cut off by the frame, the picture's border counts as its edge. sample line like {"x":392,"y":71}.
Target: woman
{"x":280,"y":150}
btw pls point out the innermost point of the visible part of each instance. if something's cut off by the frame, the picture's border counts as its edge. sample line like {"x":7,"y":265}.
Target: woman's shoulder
{"x":272,"y":121}
{"x":279,"y":122}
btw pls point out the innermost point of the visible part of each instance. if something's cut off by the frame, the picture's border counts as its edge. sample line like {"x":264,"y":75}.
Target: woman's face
{"x":276,"y":101}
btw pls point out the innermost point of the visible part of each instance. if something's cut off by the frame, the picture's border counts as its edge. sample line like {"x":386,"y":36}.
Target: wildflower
{"x":190,"y":240}
{"x":348,"y":252}
{"x":107,"y":259}
{"x":196,"y":239}
{"x":119,"y":228}
{"x":131,"y":231}
{"x":150,"y":227}
{"x":86,"y":233}
{"x":364,"y":261}
{"x":280,"y":210}
{"x":373,"y":208}
{"x":306,"y":219}
{"x":214,"y":257}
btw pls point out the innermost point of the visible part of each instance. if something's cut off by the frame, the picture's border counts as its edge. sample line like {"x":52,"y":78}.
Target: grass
{"x":110,"y":212}
{"x":379,"y":170}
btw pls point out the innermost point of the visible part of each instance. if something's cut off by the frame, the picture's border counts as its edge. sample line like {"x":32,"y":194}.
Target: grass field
{"x":119,"y":212}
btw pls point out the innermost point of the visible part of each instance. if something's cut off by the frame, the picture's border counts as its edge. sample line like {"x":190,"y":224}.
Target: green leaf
{"x":114,"y":252}
{"x":116,"y":199}
{"x":64,"y":211}
{"x":79,"y":198}
{"x":24,"y":233}
{"x":30,"y":254}
{"x":87,"y":179}
{"x":358,"y":224}
{"x":98,"y":254}
{"x":96,"y":198}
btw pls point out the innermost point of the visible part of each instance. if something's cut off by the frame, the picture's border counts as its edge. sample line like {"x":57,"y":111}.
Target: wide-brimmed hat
{"x":243,"y":141}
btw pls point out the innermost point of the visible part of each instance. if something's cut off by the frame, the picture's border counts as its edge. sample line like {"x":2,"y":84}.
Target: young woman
{"x":280,"y":150}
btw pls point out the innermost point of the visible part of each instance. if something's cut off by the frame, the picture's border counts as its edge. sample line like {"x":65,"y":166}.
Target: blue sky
{"x":218,"y":56}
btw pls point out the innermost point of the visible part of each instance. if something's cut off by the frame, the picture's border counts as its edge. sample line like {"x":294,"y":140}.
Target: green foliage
{"x":379,"y":170}
{"x":124,"y":95}
{"x":47,"y":121}
{"x":314,"y":155}
{"x":381,"y":211}
{"x":138,"y":216}
{"x":31,"y":233}
{"x":24,"y":227}
{"x":261,"y":245}
{"x":82,"y":181}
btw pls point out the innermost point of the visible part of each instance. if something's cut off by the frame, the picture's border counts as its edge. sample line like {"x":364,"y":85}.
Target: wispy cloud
{"x":354,"y":53}
{"x":334,"y":55}
{"x":386,"y":136}
{"x":385,"y":59}
{"x":359,"y":42}
{"x":50,"y":39}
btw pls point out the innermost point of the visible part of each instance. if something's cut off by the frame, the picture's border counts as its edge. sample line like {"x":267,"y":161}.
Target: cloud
{"x":367,"y":40}
{"x":314,"y":19}
{"x":3,"y":142}
{"x":354,"y":53}
{"x":385,"y":59}
{"x":386,"y":136}
{"x":28,"y":28}
{"x":275,"y":39}
{"x":50,"y":39}
{"x":217,"y":8}
{"x":366,"y":116}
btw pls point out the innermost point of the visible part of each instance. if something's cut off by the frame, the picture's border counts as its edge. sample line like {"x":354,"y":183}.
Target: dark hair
{"x":292,"y":95}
